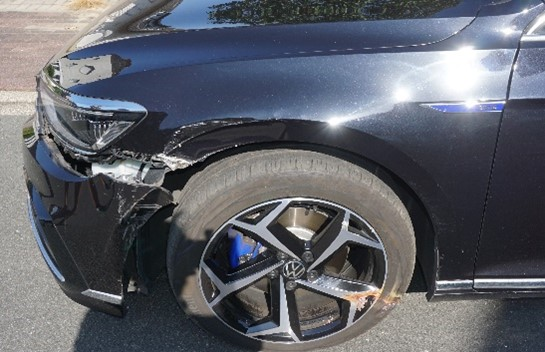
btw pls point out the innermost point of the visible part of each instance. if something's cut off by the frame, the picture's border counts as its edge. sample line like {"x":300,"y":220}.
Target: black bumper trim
{"x":103,"y":296}
{"x":37,"y":235}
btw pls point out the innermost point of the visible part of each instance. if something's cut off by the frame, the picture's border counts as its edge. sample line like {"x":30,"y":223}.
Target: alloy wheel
{"x":293,"y":270}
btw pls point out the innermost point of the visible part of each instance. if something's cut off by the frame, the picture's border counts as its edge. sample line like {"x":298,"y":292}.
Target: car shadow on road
{"x":157,"y":323}
{"x":516,"y":325}
{"x":152,"y":323}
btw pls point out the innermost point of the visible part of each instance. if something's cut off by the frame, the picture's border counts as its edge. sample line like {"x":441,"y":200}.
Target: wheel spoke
{"x":332,"y":241}
{"x":328,"y":237}
{"x":285,"y":319}
{"x":293,"y":316}
{"x":262,"y":232}
{"x":355,"y":295}
{"x":227,"y":284}
{"x":339,"y":288}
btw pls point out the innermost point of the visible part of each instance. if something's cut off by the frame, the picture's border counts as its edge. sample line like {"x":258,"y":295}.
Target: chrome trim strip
{"x":533,"y":38}
{"x":540,"y":21}
{"x":41,"y":246}
{"x":510,"y":284}
{"x":96,"y":106}
{"x":454,"y":285}
{"x":467,"y":107}
{"x":103,"y":296}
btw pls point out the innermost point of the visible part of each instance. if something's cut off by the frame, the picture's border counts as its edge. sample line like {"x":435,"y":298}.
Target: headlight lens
{"x":85,"y":125}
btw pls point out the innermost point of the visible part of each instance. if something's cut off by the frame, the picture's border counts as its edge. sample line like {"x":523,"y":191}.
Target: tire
{"x":278,"y":206}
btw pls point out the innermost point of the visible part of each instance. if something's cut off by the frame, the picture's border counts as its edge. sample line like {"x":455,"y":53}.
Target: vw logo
{"x":293,"y":270}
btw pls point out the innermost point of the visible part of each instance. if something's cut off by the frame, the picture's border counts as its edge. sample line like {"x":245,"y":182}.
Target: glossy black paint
{"x":356,"y":87}
{"x":511,"y":242}
{"x":87,"y":224}
{"x":136,"y":18}
{"x":513,"y":225}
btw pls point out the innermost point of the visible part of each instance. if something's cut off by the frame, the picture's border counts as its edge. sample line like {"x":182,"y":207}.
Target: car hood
{"x":146,"y":17}
{"x":195,"y":32}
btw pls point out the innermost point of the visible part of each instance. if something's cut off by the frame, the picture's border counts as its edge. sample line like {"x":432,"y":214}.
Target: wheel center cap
{"x":293,"y":269}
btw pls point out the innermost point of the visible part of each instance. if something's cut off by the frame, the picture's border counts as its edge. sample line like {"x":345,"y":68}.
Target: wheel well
{"x":150,"y":250}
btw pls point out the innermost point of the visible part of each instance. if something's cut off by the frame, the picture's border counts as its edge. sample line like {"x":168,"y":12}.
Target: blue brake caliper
{"x":243,"y":248}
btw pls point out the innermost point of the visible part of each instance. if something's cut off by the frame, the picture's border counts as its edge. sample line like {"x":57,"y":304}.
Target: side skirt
{"x":488,"y":289}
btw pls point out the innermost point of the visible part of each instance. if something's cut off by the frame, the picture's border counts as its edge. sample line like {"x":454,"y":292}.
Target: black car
{"x":292,"y":163}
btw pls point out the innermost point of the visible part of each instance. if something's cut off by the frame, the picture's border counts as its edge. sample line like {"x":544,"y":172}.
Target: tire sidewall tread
{"x":225,"y":188}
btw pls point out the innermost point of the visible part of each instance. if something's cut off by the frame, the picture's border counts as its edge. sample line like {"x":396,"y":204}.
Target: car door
{"x":512,"y":247}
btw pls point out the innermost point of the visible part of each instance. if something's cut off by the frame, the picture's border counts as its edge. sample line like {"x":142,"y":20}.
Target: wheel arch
{"x":362,"y":149}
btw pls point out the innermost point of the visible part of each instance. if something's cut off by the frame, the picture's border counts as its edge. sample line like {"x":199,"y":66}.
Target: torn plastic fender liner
{"x":86,"y":224}
{"x":154,"y":198}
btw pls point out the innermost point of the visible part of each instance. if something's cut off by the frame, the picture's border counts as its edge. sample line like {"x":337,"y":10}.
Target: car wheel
{"x":288,"y":249}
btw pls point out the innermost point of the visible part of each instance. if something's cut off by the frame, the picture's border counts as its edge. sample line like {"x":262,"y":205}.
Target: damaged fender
{"x":86,"y":247}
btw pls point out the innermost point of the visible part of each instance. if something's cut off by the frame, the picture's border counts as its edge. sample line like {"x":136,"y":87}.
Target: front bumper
{"x":84,"y":226}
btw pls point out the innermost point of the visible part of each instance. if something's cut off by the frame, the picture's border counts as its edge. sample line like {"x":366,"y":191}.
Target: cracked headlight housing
{"x":83,"y":124}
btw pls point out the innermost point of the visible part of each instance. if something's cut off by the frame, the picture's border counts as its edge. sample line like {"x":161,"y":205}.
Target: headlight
{"x":85,"y":125}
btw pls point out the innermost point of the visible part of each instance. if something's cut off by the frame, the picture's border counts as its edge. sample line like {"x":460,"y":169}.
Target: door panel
{"x":513,"y":238}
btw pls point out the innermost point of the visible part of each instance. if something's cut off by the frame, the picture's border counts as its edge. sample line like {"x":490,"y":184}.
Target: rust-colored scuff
{"x":361,"y":299}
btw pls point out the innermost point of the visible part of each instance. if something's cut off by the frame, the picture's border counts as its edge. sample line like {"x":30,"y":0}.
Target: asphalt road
{"x":36,"y":316}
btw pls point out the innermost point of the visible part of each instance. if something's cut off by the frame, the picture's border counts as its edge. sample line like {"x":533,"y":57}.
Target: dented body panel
{"x":86,"y":224}
{"x":364,"y":88}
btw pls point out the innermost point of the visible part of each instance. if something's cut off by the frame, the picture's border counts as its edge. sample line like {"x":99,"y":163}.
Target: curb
{"x":17,"y":103}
